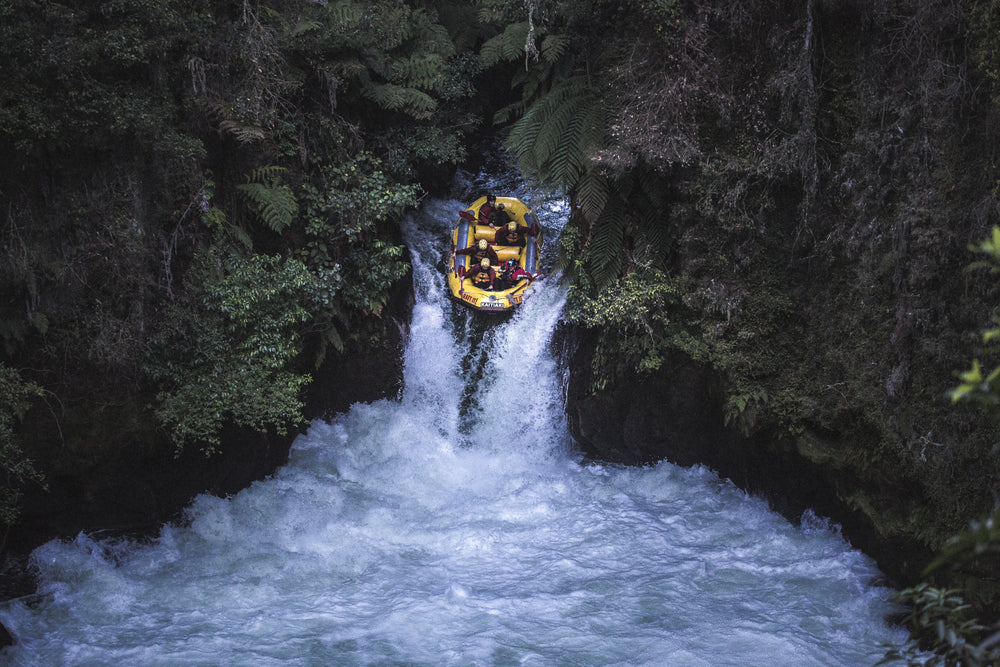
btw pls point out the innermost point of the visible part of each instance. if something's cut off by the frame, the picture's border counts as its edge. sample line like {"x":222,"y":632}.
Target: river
{"x":459,"y":525}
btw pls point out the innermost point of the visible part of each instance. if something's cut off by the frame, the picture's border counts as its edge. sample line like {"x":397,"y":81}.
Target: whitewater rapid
{"x":458,"y":525}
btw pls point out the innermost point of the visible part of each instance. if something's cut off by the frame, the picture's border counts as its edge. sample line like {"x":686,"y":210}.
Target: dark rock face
{"x":676,"y":415}
{"x":5,"y":638}
{"x":142,"y":487}
{"x":345,"y":379}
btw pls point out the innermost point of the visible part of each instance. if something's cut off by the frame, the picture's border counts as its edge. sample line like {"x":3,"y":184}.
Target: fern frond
{"x":245,"y":134}
{"x":275,"y":203}
{"x":555,"y":136}
{"x":304,"y":27}
{"x":504,"y":114}
{"x":505,"y":47}
{"x":434,"y":39}
{"x":524,"y":134}
{"x":349,"y":67}
{"x":553,"y":46}
{"x":652,"y":233}
{"x":418,"y":103}
{"x":489,"y":15}
{"x":593,"y":124}
{"x":606,"y":243}
{"x":332,"y":336}
{"x":491,"y":51}
{"x":329,"y":337}
{"x":241,"y":236}
{"x":568,"y":163}
{"x":592,"y":194}
{"x":418,"y":71}
{"x":345,"y":12}
{"x":265,"y":174}
{"x":399,"y":98}
{"x":386,"y":95}
{"x":515,"y":38}
{"x":552,"y":132}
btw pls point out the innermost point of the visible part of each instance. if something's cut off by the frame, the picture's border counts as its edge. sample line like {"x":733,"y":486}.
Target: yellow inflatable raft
{"x":469,"y":231}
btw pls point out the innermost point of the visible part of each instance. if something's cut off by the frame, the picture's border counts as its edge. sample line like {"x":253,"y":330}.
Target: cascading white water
{"x":458,"y":526}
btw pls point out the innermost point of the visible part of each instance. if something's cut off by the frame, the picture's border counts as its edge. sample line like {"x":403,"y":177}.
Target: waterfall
{"x":458,"y":525}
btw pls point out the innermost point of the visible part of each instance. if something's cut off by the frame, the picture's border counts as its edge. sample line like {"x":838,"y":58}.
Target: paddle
{"x":465,"y":215}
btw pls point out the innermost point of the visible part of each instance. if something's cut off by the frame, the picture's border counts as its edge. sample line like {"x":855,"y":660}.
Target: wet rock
{"x":676,"y":414}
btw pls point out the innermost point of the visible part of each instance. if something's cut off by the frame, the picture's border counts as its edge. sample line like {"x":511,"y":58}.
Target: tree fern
{"x":273,"y":201}
{"x":556,"y":135}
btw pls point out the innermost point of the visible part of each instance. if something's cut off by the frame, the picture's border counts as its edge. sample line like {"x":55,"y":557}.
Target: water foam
{"x":425,"y":531}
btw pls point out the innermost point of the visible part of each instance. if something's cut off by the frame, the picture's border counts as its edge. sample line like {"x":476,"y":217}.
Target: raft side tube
{"x":531,"y":256}
{"x":462,"y":241}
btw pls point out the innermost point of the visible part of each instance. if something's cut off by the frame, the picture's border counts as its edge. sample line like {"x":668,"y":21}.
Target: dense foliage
{"x":200,"y":205}
{"x":783,"y":192}
{"x":16,"y":468}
